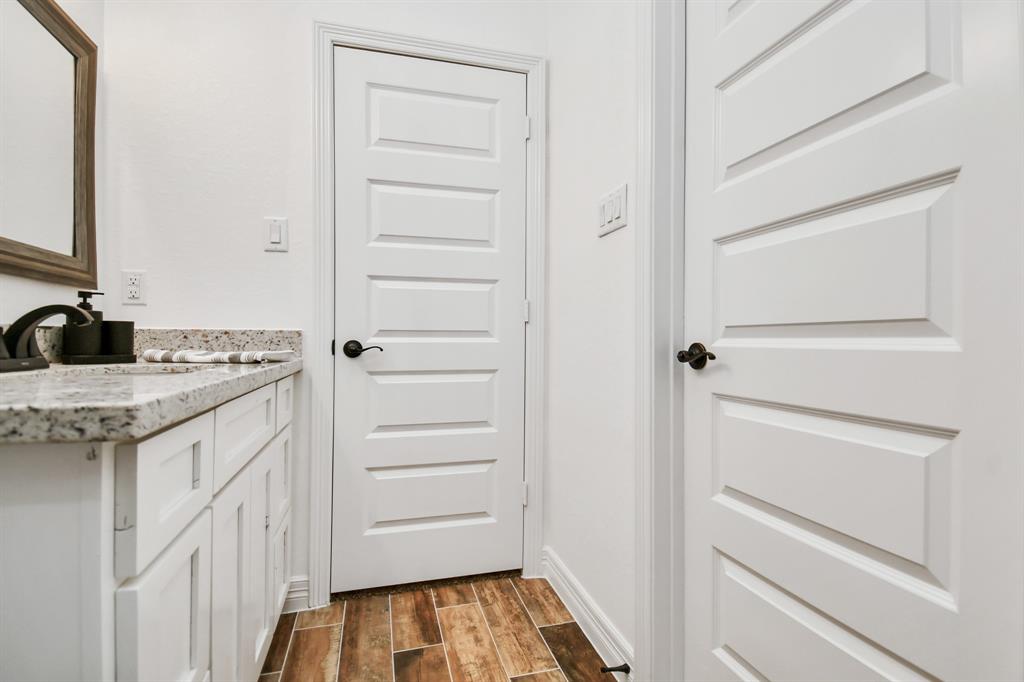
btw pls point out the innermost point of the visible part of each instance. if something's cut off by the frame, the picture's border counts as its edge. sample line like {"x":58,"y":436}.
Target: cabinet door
{"x":280,"y":452}
{"x":260,"y":608}
{"x":232,"y":657}
{"x":282,"y":565}
{"x":163,"y":615}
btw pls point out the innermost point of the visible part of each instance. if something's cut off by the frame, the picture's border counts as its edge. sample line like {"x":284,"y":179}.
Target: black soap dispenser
{"x":87,"y":340}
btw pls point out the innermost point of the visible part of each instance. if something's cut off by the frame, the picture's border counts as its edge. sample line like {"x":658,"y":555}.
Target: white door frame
{"x":318,"y":358}
{"x":661,"y":56}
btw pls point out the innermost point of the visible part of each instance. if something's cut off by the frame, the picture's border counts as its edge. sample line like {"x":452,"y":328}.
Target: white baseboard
{"x":298,"y":594}
{"x":606,"y":638}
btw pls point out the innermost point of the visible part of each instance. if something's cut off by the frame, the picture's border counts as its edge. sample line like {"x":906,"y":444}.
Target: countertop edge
{"x":120,"y":423}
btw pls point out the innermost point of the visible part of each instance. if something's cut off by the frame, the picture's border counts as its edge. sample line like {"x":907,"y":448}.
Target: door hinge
{"x":527,"y":130}
{"x":526,"y":311}
{"x":526,"y":493}
{"x":332,"y":346}
{"x":266,"y":522}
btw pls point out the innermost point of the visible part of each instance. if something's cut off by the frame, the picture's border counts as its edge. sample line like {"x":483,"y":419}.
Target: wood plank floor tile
{"x":413,"y":620}
{"x":549,"y":676}
{"x":454,"y":595}
{"x":576,"y":655}
{"x":279,"y":643}
{"x":422,"y":665}
{"x":520,"y":646}
{"x":541,"y":601}
{"x":313,"y":655}
{"x":331,"y":614}
{"x":366,"y":642}
{"x":471,"y":651}
{"x":270,"y":677}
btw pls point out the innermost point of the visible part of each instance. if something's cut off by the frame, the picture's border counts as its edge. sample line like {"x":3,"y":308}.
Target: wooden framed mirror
{"x":47,"y":145}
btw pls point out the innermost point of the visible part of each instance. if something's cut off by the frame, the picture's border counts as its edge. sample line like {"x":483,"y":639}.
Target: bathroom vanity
{"x":144,"y":520}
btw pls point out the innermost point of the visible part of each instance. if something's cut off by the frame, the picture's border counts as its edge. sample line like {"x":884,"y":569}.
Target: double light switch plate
{"x":611,"y":211}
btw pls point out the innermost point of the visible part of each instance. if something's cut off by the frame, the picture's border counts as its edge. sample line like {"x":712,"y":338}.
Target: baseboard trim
{"x":298,"y":595}
{"x":606,"y":638}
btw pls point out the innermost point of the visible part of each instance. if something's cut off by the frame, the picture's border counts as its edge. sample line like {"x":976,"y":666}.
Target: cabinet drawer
{"x":243,"y":426}
{"x":163,"y":615}
{"x":160,"y":485}
{"x":285,"y":401}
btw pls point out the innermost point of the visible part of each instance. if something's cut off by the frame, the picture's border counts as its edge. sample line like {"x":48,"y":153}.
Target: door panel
{"x":853,"y":258}
{"x":430,"y":260}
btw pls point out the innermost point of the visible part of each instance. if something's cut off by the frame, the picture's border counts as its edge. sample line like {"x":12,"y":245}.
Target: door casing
{"x":317,"y":353}
{"x":661,"y":42}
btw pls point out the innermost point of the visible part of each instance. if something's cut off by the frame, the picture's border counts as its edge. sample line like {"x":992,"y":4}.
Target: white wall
{"x":589,"y":493}
{"x":211,"y":130}
{"x":18,"y":295}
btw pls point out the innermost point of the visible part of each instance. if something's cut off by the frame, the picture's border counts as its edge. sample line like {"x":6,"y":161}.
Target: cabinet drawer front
{"x":163,"y":615}
{"x":285,"y":401}
{"x":161,"y":484}
{"x":243,"y":426}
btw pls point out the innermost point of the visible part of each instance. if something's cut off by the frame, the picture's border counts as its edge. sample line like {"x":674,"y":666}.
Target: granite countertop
{"x":78,"y":403}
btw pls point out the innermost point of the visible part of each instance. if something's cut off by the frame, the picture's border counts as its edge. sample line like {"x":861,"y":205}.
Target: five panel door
{"x":852,"y":459}
{"x":430,"y":244}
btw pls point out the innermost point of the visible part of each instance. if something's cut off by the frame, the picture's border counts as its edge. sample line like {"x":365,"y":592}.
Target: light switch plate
{"x":275,"y":236}
{"x":611,"y":212}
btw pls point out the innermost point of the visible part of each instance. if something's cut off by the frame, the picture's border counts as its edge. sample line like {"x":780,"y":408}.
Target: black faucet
{"x":19,"y":350}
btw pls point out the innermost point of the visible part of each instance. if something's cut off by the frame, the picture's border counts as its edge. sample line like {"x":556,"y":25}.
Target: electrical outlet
{"x":133,"y":287}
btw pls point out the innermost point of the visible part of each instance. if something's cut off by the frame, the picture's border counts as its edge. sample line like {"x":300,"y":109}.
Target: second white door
{"x":853,"y":470}
{"x":430,"y":192}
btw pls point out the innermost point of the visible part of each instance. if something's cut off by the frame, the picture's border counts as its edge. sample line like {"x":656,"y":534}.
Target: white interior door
{"x":853,"y":459}
{"x":430,"y":172}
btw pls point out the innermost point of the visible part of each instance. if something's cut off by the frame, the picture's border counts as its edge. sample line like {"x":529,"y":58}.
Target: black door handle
{"x":354,"y":349}
{"x":697,"y":355}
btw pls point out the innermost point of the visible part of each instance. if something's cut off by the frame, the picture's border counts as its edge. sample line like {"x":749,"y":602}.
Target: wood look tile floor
{"x":498,"y":629}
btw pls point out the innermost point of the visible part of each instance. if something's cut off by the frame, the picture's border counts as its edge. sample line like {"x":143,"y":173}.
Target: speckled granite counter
{"x":120,"y":402}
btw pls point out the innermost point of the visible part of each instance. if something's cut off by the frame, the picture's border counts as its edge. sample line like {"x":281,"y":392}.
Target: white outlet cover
{"x":133,"y":287}
{"x":612,"y":211}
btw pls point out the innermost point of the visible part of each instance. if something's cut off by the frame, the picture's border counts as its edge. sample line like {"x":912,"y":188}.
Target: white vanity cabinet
{"x":161,"y":559}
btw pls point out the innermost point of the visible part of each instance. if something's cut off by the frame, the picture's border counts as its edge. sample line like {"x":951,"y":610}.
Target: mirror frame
{"x":26,"y":260}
